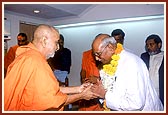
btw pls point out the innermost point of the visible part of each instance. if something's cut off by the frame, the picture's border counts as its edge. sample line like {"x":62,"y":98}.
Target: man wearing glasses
{"x":125,"y":84}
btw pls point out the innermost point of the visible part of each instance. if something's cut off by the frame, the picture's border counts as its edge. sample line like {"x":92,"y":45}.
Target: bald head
{"x":98,"y":40}
{"x":44,"y":31}
{"x":46,"y":40}
{"x":103,"y":47}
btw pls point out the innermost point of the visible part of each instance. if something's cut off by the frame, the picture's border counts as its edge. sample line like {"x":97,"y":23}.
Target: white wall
{"x":14,"y":24}
{"x":79,"y":39}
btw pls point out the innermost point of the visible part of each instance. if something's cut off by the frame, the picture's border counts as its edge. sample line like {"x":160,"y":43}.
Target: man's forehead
{"x":150,"y":41}
{"x":118,"y":36}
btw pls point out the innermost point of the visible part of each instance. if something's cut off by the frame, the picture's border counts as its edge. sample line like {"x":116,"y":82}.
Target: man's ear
{"x":44,"y":42}
{"x":159,"y":45}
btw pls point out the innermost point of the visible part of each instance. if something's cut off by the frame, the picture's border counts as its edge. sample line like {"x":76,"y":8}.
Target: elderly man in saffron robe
{"x":30,"y":84}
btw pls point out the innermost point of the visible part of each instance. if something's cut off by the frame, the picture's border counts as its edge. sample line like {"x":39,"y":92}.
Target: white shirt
{"x":155,"y":62}
{"x":132,"y":89}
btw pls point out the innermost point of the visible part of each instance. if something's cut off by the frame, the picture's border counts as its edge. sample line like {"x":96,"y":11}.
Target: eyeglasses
{"x":98,"y":54}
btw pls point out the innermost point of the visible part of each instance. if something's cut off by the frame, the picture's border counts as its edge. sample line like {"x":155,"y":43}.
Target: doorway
{"x":28,"y":29}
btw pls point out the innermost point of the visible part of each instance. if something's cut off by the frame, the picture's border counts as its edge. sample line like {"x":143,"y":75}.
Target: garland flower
{"x":111,"y":68}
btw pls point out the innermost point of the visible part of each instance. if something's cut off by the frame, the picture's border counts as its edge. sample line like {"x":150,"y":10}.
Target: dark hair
{"x":23,"y":35}
{"x":61,"y":37}
{"x":156,"y":38}
{"x":117,"y":32}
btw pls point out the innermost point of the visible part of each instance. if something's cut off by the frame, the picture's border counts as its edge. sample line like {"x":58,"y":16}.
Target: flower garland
{"x":111,"y":68}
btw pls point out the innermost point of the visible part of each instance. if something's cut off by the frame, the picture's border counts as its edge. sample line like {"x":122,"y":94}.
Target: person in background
{"x":30,"y":84}
{"x":154,"y":60}
{"x":89,"y":73}
{"x":10,"y":55}
{"x":125,"y":83}
{"x":61,"y":62}
{"x":118,"y":35}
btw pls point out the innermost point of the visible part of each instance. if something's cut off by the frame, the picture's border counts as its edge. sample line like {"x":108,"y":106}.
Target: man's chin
{"x":50,"y":56}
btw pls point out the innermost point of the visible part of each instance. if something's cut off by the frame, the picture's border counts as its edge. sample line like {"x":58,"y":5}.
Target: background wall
{"x":112,"y":10}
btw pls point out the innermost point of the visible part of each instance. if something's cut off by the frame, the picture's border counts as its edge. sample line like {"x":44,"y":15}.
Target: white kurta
{"x":154,"y":65}
{"x":131,"y":88}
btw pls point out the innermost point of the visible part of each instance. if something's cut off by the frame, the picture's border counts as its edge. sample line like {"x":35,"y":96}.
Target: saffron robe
{"x":89,"y":65}
{"x":30,"y":83}
{"x":10,"y":56}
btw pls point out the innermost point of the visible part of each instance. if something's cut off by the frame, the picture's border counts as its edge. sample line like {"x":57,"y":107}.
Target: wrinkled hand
{"x":84,"y":86}
{"x":98,"y":89}
{"x":87,"y":93}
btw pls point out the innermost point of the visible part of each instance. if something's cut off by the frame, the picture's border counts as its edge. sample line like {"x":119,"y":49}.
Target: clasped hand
{"x":91,"y":91}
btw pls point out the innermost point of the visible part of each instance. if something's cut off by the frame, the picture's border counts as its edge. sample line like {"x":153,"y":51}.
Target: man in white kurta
{"x":154,"y":60}
{"x":129,"y":88}
{"x":132,"y":88}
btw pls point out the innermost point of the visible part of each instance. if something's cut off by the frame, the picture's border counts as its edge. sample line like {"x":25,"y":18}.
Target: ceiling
{"x":47,"y":11}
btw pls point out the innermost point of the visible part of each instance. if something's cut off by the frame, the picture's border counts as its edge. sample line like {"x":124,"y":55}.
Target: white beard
{"x":50,"y":55}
